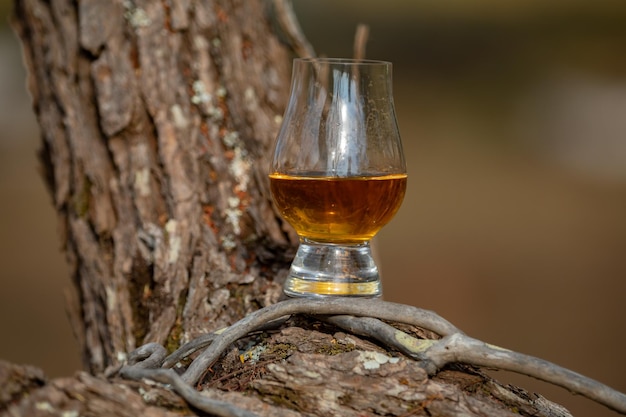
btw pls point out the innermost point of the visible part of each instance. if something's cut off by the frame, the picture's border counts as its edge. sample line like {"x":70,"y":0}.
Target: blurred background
{"x":513,"y":118}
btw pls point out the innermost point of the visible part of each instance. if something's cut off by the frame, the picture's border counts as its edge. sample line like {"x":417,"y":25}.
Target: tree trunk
{"x":156,"y":120}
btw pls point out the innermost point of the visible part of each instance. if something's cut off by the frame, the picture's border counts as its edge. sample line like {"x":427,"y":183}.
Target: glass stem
{"x":325,"y":269}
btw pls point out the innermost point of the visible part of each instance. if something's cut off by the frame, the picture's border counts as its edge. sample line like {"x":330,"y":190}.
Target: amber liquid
{"x":338,"y":210}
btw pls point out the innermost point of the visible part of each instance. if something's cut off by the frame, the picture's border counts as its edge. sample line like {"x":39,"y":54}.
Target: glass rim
{"x":341,"y":61}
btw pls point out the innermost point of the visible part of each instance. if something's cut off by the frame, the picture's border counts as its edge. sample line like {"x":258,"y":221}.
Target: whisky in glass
{"x":338,"y":173}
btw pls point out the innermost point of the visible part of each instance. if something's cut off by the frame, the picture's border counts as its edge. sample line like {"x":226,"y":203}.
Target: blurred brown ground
{"x":514,"y":226}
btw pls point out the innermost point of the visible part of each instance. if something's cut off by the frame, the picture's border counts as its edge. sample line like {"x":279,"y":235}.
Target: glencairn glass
{"x":338,"y":173}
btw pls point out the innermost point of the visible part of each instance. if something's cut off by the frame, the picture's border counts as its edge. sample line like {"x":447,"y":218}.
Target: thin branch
{"x":360,"y":41}
{"x":290,"y":27}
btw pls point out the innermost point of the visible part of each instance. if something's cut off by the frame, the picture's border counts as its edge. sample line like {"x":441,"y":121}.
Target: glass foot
{"x":323,"y":270}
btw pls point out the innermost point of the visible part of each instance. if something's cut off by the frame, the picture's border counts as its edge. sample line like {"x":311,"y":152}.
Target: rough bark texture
{"x":156,"y":118}
{"x":156,"y":121}
{"x":306,"y":368}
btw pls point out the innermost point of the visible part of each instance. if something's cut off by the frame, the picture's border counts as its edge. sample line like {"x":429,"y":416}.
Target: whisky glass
{"x":338,"y":173}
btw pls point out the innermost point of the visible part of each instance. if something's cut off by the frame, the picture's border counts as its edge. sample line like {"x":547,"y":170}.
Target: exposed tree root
{"x":362,"y":317}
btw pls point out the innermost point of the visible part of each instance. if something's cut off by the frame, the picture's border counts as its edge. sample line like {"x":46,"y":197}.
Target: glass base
{"x":324,"y":270}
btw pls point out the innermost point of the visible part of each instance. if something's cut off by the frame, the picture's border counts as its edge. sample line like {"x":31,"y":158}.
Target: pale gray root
{"x":359,"y":307}
{"x":193,"y":397}
{"x":464,"y":349}
{"x":433,"y":355}
{"x":203,"y":341}
{"x":459,"y":348}
{"x":384,"y":333}
{"x":148,"y":356}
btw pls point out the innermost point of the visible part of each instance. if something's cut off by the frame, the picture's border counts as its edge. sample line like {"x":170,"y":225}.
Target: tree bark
{"x":156,"y":121}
